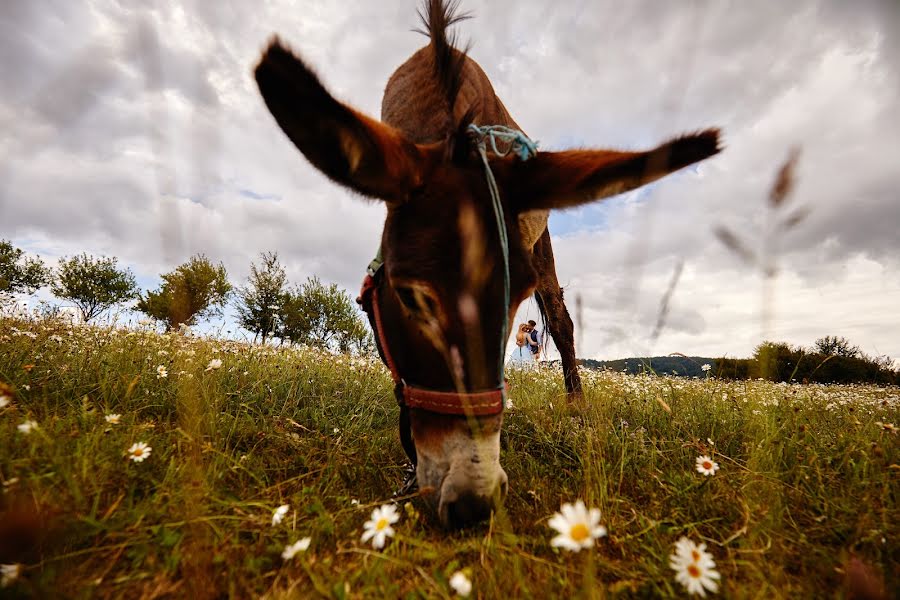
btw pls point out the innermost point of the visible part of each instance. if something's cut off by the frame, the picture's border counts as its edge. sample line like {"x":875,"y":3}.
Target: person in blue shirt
{"x":536,"y":340}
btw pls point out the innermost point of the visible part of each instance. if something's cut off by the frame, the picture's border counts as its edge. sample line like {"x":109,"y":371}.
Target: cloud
{"x":137,"y":131}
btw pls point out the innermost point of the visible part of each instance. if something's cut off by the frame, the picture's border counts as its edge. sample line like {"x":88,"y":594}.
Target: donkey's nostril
{"x":467,"y":510}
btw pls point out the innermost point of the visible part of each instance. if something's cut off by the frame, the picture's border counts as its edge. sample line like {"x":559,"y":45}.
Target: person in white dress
{"x":522,"y":356}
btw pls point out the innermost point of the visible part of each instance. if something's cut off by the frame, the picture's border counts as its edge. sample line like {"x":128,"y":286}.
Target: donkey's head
{"x":443,"y":308}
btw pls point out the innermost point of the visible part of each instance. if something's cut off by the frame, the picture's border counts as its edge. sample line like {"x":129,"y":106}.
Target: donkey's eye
{"x":417,"y":301}
{"x":407,"y":298}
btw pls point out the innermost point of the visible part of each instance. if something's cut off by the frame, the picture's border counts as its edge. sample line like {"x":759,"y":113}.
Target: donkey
{"x":456,"y":260}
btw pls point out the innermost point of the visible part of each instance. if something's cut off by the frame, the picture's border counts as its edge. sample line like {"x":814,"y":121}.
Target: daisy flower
{"x":139,"y":451}
{"x":5,"y":400}
{"x":113,"y":418}
{"x":279,"y":513}
{"x":291,"y":550}
{"x":577,"y":526}
{"x":694,"y":567}
{"x":27,"y":427}
{"x":706,"y":465}
{"x":461,"y":584}
{"x":9,"y":573}
{"x":378,"y":529}
{"x":706,"y":367}
{"x":161,"y":372}
{"x":214,"y":364}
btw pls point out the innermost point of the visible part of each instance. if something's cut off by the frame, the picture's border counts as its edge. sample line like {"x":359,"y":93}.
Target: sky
{"x":136,"y":130}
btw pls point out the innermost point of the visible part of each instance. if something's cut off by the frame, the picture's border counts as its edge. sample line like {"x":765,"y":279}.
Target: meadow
{"x":804,"y":504}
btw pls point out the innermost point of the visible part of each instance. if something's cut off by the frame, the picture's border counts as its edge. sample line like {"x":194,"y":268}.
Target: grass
{"x":807,"y":485}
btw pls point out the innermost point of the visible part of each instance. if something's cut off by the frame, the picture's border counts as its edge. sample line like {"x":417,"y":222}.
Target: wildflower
{"x":113,"y":418}
{"x":509,"y":404}
{"x":378,"y":529}
{"x":161,"y":372}
{"x":214,"y":364}
{"x":461,"y":584}
{"x":694,"y":567}
{"x":280,"y":512}
{"x":9,"y":573}
{"x":706,"y":465}
{"x":5,"y":400}
{"x":706,"y":367}
{"x":27,"y":427}
{"x":577,"y":527}
{"x":139,"y":451}
{"x":291,"y":550}
{"x":888,"y":427}
{"x":354,"y":502}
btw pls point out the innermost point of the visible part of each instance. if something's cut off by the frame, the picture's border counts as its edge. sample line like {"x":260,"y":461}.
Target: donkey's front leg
{"x":549,"y":297}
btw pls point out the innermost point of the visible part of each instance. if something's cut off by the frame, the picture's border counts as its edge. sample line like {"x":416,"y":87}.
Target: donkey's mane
{"x":437,"y":18}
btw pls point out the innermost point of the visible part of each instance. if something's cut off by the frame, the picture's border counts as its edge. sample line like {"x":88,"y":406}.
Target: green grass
{"x":807,"y":479}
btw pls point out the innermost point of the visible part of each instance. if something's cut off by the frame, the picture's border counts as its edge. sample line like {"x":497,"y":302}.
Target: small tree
{"x":18,"y":274}
{"x":323,"y":316}
{"x":93,"y":284}
{"x":195,"y":289}
{"x":259,"y":302}
{"x":833,"y":345}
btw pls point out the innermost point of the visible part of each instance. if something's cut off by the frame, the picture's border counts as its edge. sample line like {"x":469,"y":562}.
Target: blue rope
{"x":517,"y":142}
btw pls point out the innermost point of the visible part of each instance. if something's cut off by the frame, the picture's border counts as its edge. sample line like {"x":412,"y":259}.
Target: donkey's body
{"x":415,"y":103}
{"x":449,"y":284}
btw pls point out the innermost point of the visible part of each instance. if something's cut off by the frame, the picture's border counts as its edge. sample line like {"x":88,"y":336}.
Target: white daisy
{"x":706,"y":367}
{"x":694,"y":567}
{"x":113,"y":418}
{"x":214,"y":364}
{"x":5,"y":400}
{"x":378,"y":529}
{"x":27,"y":427}
{"x":139,"y":451}
{"x":279,"y":513}
{"x":706,"y":465}
{"x":577,"y":526}
{"x":161,"y":372}
{"x":461,"y":584}
{"x":9,"y":573}
{"x":300,"y":545}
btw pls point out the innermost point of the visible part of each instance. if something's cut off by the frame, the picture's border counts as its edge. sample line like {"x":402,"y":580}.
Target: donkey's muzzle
{"x":466,"y":510}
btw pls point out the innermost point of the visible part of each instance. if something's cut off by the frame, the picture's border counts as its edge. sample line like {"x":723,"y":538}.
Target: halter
{"x":478,"y":403}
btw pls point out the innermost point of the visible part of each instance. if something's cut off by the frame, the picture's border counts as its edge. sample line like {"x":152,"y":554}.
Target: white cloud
{"x":139,"y":132}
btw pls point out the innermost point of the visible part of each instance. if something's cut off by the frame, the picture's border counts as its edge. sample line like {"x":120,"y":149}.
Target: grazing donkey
{"x":465,"y":240}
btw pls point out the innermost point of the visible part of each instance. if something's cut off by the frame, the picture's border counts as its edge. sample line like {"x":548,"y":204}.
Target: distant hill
{"x":683,"y":366}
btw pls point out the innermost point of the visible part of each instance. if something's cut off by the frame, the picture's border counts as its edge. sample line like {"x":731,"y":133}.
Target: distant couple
{"x":529,"y":344}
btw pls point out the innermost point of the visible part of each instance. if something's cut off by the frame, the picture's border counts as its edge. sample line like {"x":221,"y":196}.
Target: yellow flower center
{"x":381,"y":524}
{"x":707,"y":465}
{"x":579,"y":532}
{"x":138,"y":451}
{"x":693,"y":570}
{"x":695,"y":555}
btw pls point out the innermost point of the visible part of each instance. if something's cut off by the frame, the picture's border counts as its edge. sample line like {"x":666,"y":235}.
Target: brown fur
{"x":441,"y":301}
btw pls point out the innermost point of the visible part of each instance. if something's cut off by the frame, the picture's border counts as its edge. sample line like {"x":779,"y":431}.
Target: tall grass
{"x":808,"y":478}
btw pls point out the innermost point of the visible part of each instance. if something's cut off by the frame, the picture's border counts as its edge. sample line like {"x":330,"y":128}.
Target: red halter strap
{"x":489,"y":402}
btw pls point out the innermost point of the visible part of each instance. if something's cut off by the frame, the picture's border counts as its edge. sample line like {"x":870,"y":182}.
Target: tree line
{"x":831,"y":359}
{"x":310,"y":313}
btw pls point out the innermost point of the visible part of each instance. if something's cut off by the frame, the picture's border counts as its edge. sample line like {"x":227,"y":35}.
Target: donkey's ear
{"x":564,"y":179}
{"x":352,"y":149}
